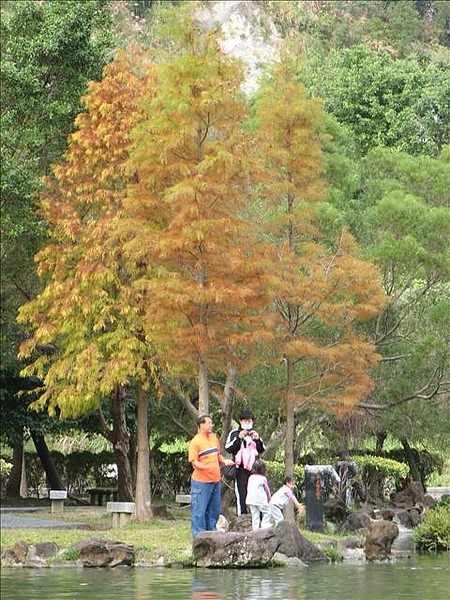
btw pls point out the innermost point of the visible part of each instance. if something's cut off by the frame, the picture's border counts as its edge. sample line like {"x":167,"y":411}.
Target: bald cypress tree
{"x":321,"y":290}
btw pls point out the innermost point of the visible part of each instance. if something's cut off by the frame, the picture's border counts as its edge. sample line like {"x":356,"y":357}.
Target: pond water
{"x":421,"y":577}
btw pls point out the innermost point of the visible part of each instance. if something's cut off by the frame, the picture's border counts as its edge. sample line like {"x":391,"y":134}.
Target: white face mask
{"x":247,"y":426}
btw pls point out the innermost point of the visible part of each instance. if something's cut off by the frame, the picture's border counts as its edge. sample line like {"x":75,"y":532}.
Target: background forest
{"x":208,"y":206}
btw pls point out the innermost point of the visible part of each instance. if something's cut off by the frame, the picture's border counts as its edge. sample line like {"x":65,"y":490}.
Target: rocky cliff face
{"x":248,"y":35}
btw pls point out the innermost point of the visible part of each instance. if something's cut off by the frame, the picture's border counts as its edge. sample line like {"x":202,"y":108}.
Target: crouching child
{"x":281,"y":498}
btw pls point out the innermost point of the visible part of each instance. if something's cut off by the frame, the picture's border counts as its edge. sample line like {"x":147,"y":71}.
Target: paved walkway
{"x":10,"y":518}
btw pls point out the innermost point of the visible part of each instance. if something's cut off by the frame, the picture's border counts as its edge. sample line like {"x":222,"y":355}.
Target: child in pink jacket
{"x":258,"y":496}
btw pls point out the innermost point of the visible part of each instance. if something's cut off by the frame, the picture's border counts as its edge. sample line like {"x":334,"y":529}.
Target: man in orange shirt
{"x":205,"y":457}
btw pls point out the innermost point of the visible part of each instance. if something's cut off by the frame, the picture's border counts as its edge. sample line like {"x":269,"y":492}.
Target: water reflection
{"x":257,"y":584}
{"x":204,"y":591}
{"x":426,"y":578}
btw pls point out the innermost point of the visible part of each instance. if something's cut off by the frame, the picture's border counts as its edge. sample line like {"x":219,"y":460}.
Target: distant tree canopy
{"x":50,"y":50}
{"x":387,"y":101}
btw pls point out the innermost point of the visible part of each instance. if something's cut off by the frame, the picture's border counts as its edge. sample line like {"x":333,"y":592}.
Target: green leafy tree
{"x":50,"y":50}
{"x":400,"y":103}
{"x":405,"y":208}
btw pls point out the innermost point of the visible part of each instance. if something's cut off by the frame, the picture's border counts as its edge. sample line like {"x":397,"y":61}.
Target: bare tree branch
{"x":434,"y":387}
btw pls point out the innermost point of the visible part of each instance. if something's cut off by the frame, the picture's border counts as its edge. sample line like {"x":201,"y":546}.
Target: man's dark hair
{"x":288,"y":479}
{"x":246,"y":414}
{"x":202,"y":419}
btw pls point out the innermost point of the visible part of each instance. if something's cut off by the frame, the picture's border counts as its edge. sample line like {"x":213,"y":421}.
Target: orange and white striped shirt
{"x":207,"y":451}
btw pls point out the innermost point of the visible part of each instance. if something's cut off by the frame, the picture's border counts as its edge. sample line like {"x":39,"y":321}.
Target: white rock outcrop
{"x":248,"y":36}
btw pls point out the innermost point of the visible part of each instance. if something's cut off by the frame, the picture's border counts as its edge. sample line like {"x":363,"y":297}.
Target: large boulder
{"x":254,"y":548}
{"x":411,"y":496}
{"x":388,"y":514}
{"x":357,"y":521}
{"x":97,"y":552}
{"x":335,"y":509}
{"x":414,"y":516}
{"x":38,"y":554}
{"x":15,"y":554}
{"x":35,"y":555}
{"x":293,"y":544}
{"x":242,"y":523}
{"x":235,"y":549}
{"x":379,"y":539}
{"x":43,"y":550}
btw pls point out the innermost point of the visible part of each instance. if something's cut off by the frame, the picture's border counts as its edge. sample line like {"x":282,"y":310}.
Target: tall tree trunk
{"x":23,"y":479}
{"x":203,"y":388}
{"x":119,"y":437}
{"x":415,"y":473}
{"x":142,"y":510}
{"x":121,"y":446}
{"x":380,"y":439}
{"x":289,"y":440}
{"x":15,"y":477}
{"x":228,"y":405}
{"x":53,"y":479}
{"x":133,"y":457}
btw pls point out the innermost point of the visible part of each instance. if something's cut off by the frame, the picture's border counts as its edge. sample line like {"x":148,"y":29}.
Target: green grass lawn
{"x":153,"y":541}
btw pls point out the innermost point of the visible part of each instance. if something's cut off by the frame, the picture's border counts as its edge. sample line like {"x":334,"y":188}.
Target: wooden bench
{"x":57,"y":497}
{"x":98,"y":494}
{"x":183,"y":499}
{"x":121,"y":512}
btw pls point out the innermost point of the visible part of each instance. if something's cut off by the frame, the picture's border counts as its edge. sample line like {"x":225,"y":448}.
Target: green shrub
{"x":443,"y":501}
{"x":78,"y":470}
{"x":376,"y":471}
{"x":385,"y":467}
{"x":170,"y":473}
{"x":5,"y":470}
{"x":70,"y":554}
{"x":433,"y":533}
{"x":5,"y":467}
{"x":333,"y":553}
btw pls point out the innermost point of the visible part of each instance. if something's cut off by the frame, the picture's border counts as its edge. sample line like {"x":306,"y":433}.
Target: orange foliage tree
{"x":321,"y":291}
{"x":195,"y":260}
{"x":150,"y":261}
{"x":85,"y":314}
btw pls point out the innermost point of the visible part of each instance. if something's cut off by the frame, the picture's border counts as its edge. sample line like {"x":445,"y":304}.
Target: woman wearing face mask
{"x":245,"y":444}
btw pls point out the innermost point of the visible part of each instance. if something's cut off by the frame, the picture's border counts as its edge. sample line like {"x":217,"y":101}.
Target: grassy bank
{"x":154,"y":542}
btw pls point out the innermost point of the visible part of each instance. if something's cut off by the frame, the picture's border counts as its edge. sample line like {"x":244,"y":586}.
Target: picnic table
{"x":100,"y":494}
